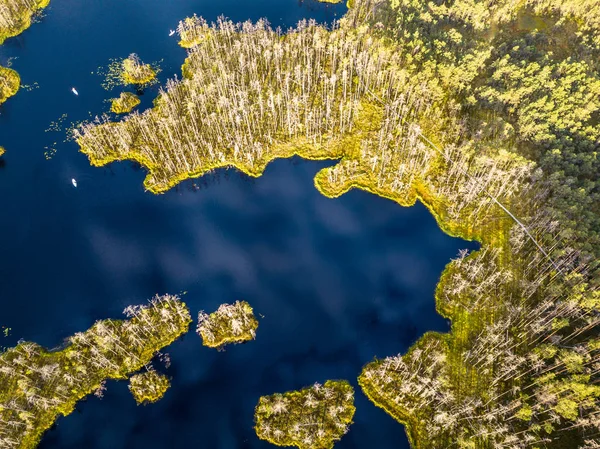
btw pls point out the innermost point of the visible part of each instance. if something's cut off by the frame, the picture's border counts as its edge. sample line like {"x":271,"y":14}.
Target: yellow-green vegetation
{"x":485,"y":112}
{"x":126,"y":102}
{"x":15,"y":16}
{"x":148,"y":387}
{"x":37,"y":386}
{"x":193,"y":31}
{"x":129,"y":71}
{"x":231,"y":323}
{"x":135,"y":72}
{"x":312,"y":418}
{"x":9,"y":83}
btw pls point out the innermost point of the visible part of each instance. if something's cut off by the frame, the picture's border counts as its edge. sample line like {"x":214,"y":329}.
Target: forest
{"x":485,"y":111}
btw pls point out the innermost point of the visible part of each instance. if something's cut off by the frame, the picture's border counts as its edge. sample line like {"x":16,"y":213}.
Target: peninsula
{"x":16,"y":16}
{"x":37,"y":386}
{"x":9,"y":83}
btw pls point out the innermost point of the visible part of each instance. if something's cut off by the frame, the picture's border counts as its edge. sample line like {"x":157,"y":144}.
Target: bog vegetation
{"x":129,"y":71}
{"x":148,"y":386}
{"x":312,"y":418}
{"x":126,"y":102}
{"x":9,"y":83}
{"x":488,"y":113}
{"x":230,"y":323}
{"x":37,"y":386}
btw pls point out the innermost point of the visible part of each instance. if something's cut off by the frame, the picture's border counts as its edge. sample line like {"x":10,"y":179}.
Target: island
{"x":136,"y":72}
{"x":15,"y":16}
{"x":148,"y":387}
{"x":37,"y":386}
{"x":312,"y":418}
{"x":489,"y":117}
{"x":126,"y":102}
{"x":9,"y":83}
{"x":230,"y":323}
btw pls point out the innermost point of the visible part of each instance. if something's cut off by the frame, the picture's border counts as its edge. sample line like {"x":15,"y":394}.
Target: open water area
{"x":334,"y":283}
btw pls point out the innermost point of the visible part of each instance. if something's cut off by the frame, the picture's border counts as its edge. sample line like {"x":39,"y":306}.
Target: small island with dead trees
{"x":125,"y":103}
{"x":148,"y":386}
{"x":312,"y":418}
{"x":230,"y":323}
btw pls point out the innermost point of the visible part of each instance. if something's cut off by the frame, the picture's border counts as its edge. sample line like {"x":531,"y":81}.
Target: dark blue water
{"x":338,"y":281}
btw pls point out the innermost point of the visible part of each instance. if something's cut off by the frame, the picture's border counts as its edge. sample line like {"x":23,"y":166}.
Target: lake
{"x":336,"y":282}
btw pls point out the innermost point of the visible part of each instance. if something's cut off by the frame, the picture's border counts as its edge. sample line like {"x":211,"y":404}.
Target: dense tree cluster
{"x":520,"y":367}
{"x":312,"y":418}
{"x":36,"y":385}
{"x":523,"y":76}
{"x":148,"y":386}
{"x":230,"y":323}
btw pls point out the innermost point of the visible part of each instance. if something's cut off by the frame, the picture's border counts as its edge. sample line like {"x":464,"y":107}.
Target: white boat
{"x":74,"y":91}
{"x":74,"y":182}
{"x":171,"y":33}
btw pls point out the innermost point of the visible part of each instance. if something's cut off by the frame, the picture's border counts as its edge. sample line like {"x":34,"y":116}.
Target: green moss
{"x":312,"y":418}
{"x":231,"y":323}
{"x":38,"y":386}
{"x":126,"y":102}
{"x":148,"y":387}
{"x":9,"y":83}
{"x":524,"y":413}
